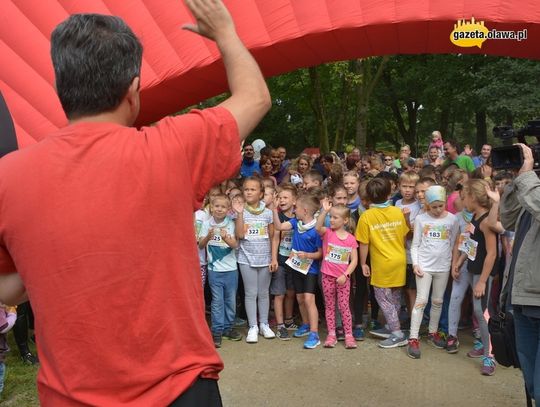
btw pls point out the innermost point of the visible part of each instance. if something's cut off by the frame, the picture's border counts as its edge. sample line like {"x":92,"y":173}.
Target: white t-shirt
{"x":415,"y":210}
{"x":200,"y":217}
{"x":433,"y":242}
{"x":221,"y":257}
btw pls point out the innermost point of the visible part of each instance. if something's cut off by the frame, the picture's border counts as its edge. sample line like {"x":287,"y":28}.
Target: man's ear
{"x":132,"y":97}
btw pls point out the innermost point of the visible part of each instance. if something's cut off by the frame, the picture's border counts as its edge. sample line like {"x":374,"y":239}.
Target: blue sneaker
{"x":358,"y":333}
{"x":312,"y":341}
{"x":302,"y":330}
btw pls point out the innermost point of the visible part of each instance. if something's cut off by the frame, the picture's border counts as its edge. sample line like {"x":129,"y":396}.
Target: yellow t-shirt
{"x":384,"y":230}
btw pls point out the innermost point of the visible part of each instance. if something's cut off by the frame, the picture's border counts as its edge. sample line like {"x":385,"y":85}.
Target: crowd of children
{"x":368,"y":241}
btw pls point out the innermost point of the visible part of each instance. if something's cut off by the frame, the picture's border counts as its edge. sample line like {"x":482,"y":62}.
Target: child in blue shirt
{"x":304,"y":260}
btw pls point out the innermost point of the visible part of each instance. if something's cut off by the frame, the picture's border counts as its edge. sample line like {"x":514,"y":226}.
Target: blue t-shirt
{"x":308,"y":242}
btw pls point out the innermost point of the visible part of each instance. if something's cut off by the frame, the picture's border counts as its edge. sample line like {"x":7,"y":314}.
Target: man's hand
{"x":213,"y":18}
{"x":528,"y":160}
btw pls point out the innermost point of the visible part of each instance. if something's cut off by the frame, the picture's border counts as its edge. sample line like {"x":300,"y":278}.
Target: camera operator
{"x":520,"y":212}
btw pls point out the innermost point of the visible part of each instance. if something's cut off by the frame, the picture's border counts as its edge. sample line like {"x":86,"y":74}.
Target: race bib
{"x":338,"y":254}
{"x":256,"y":231}
{"x":285,"y":245}
{"x":298,"y":264}
{"x":217,"y":240}
{"x":467,"y":246}
{"x":436,"y":232}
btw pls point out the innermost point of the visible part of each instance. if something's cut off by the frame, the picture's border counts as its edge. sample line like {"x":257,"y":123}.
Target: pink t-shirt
{"x":450,"y":202}
{"x":337,"y":253}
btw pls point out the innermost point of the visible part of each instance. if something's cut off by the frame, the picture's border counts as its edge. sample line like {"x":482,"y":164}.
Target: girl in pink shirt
{"x":340,"y":257}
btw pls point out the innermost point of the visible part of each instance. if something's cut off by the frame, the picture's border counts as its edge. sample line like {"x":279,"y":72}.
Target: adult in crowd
{"x":483,"y":158}
{"x":352,"y":159}
{"x":434,"y":157}
{"x":404,"y":156}
{"x":520,"y":212}
{"x":283,"y":155}
{"x":249,"y":165}
{"x":111,"y":268}
{"x":279,"y":170}
{"x":451,"y":151}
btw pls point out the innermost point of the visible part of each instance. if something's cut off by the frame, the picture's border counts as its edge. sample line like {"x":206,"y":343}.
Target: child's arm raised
{"x":238,"y":207}
{"x":326,"y":206}
{"x":278,"y":225}
{"x":492,"y":219}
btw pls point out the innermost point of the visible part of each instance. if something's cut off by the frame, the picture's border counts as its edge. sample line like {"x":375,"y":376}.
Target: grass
{"x":20,"y":382}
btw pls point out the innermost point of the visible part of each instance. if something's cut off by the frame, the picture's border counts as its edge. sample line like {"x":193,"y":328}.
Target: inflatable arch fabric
{"x":181,"y":68}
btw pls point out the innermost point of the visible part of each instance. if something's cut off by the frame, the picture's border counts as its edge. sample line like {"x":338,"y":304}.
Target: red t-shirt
{"x":98,"y":221}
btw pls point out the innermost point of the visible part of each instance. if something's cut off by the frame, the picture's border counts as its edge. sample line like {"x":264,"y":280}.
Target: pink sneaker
{"x":350,"y":342}
{"x":330,"y":342}
{"x":477,"y":350}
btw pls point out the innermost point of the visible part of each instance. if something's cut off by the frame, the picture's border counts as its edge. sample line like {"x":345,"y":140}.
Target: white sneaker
{"x":266,"y":331}
{"x":253,"y":334}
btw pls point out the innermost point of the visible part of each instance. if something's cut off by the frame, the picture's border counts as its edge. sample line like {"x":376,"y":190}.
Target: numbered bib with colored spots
{"x":285,"y":245}
{"x":338,"y":254}
{"x":298,"y":264}
{"x":256,"y":231}
{"x":468,"y":246}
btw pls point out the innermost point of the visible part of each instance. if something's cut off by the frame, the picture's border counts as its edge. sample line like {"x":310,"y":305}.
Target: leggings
{"x":25,"y":320}
{"x":330,"y":286}
{"x":360,"y":296}
{"x":256,"y":285}
{"x":459,"y":288}
{"x":389,"y":300}
{"x":423,"y":285}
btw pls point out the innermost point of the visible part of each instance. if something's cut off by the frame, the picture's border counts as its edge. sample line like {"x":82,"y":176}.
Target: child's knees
{"x":419,"y":305}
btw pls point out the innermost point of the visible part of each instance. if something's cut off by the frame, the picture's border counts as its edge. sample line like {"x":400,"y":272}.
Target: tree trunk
{"x":364,"y":89}
{"x":317,"y":103}
{"x":481,"y":129}
{"x":445,"y":120}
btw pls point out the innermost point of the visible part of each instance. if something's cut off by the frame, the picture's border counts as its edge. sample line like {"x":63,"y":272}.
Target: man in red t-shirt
{"x":96,"y":221}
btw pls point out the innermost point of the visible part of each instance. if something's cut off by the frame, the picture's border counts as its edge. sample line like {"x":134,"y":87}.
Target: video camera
{"x":510,"y":156}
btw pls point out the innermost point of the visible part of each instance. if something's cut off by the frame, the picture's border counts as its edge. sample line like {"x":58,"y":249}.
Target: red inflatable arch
{"x":180,"y":68}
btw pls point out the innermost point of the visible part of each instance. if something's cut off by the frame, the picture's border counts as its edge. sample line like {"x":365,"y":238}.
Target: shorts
{"x":305,"y":283}
{"x":282,"y":280}
{"x":410,"y":278}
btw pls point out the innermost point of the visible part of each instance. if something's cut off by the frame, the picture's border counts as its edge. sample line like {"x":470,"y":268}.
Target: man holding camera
{"x":520,"y":212}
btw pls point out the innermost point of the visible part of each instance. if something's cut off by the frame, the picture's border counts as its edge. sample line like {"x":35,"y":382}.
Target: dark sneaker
{"x":452,"y":344}
{"x":340,"y":334}
{"x":374,"y":325}
{"x":413,"y":348}
{"x":488,"y":366}
{"x":217,"y":340}
{"x":436,"y":340}
{"x":232,"y":335}
{"x":393,"y":342}
{"x":29,"y":359}
{"x":238,"y":322}
{"x":381,"y":333}
{"x":290,"y":325}
{"x":358,"y":333}
{"x":477,"y":350}
{"x":283,"y":334}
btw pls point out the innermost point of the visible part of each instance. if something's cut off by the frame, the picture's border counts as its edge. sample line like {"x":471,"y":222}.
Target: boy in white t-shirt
{"x":217,"y":236}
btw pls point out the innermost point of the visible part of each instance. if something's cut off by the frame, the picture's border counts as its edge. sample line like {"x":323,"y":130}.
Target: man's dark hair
{"x":95,"y":59}
{"x":454,"y":144}
{"x":378,"y":190}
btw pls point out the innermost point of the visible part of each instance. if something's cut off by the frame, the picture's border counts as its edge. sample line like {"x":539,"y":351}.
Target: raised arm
{"x":326,"y":206}
{"x":250,"y":98}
